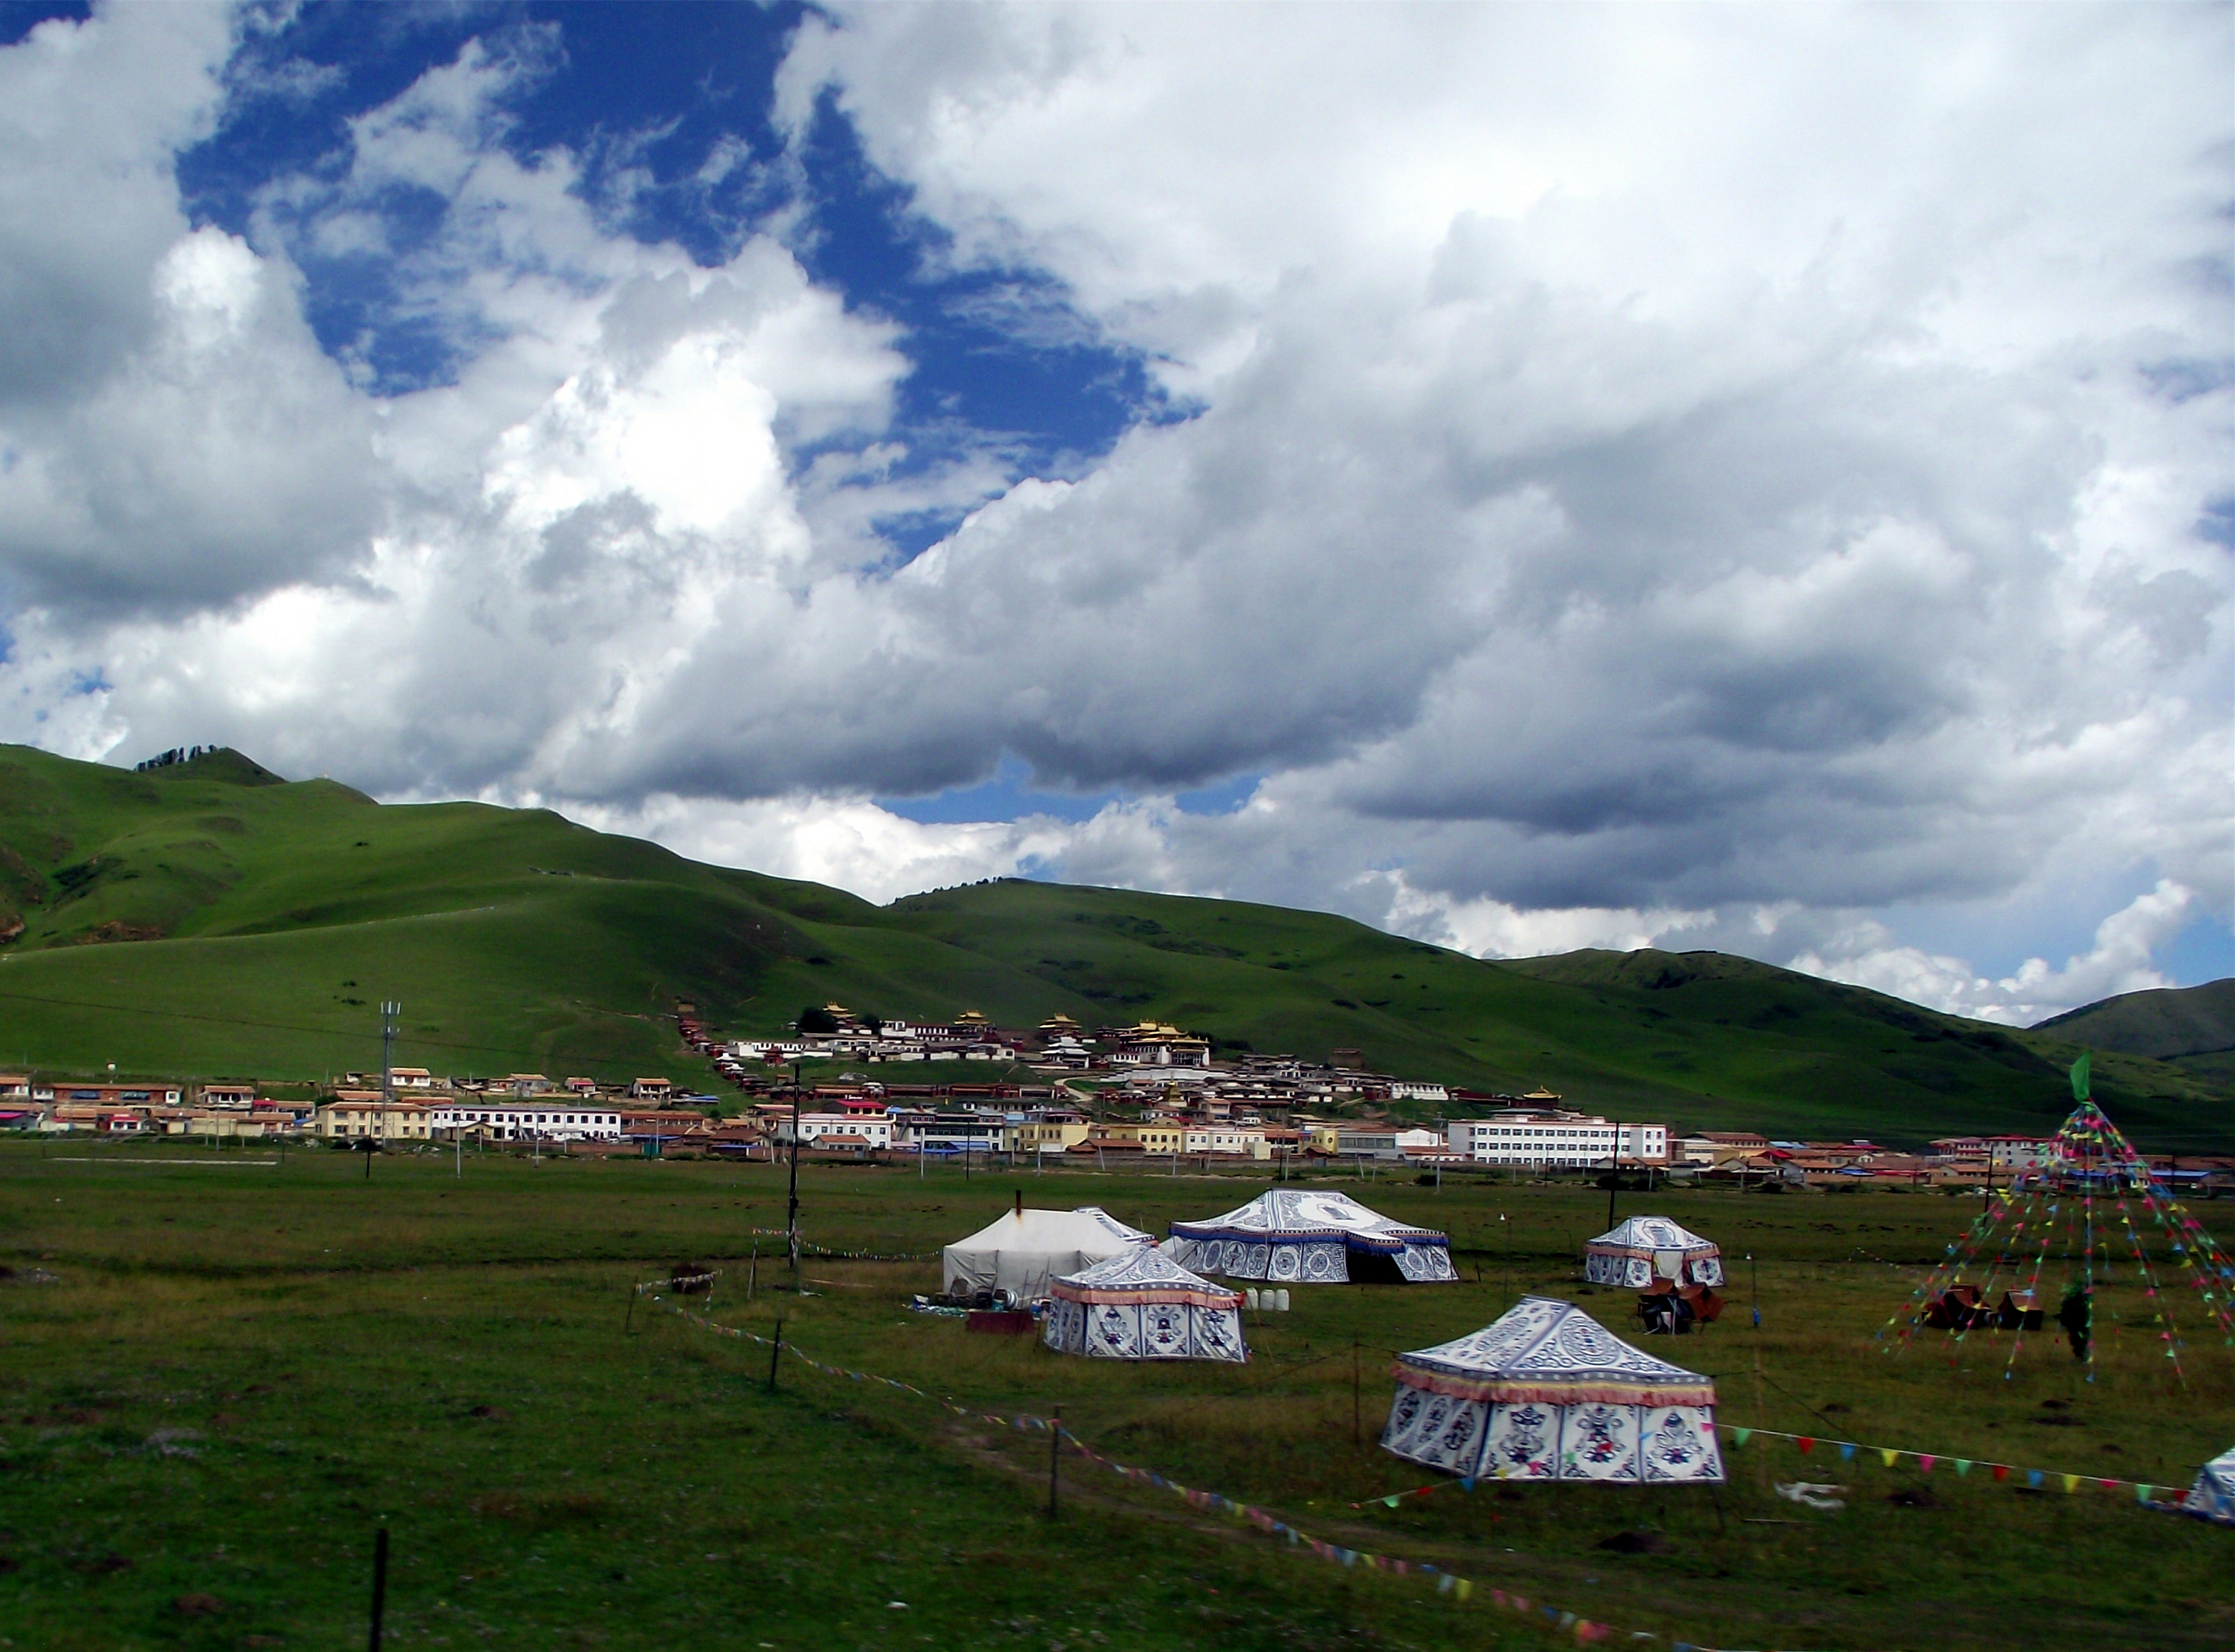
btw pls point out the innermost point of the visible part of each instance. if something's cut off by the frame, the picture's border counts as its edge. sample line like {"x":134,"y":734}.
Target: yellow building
{"x":1153,"y":1139}
{"x":355,"y":1114}
{"x":1049,"y":1136}
{"x":222,"y":1124}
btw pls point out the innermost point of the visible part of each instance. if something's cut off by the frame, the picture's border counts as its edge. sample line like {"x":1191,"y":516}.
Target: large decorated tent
{"x":1144,"y":1305}
{"x":2212,"y":1496}
{"x":1308,"y":1237}
{"x":1026,"y":1251}
{"x":1547,"y":1393}
{"x":1644,"y":1248}
{"x":2076,"y":1229}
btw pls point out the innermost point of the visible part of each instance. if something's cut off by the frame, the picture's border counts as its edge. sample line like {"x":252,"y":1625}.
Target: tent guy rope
{"x":1584,"y":1630}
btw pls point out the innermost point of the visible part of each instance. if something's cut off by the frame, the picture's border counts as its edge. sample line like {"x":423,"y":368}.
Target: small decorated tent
{"x":1144,"y":1305}
{"x":1644,"y":1248}
{"x":1295,"y":1235}
{"x":1546,"y":1393}
{"x":2212,"y":1496}
{"x":1025,"y":1251}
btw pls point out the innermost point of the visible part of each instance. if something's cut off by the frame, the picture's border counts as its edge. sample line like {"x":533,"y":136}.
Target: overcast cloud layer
{"x":1703,"y":477}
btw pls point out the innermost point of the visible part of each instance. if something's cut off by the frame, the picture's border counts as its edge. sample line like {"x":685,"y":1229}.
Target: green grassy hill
{"x":2169,"y":1023}
{"x":1704,"y":1039}
{"x":208,"y":919}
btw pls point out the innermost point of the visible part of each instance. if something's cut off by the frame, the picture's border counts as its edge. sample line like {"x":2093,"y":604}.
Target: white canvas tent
{"x":1546,"y":1393}
{"x":1644,"y":1248}
{"x":2212,"y":1496}
{"x":1144,"y":1305}
{"x":1026,"y":1251}
{"x":1308,"y":1237}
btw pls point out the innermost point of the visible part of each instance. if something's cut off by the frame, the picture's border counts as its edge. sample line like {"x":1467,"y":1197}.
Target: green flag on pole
{"x":2079,"y":1078}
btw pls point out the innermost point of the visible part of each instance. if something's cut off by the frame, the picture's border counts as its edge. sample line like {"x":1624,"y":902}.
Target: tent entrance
{"x":1374,"y":1268}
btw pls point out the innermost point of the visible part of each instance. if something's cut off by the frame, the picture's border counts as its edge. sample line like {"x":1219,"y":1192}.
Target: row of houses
{"x":409,"y":1082}
{"x":1752,"y":1158}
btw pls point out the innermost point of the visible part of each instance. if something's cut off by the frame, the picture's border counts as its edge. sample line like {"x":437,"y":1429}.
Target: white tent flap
{"x":1026,"y":1251}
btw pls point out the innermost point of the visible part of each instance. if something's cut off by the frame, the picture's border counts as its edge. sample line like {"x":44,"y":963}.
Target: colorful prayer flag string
{"x":1447,"y":1583}
{"x":1888,"y":1455}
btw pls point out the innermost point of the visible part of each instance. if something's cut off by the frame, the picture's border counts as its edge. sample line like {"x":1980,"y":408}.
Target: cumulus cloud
{"x":1695,"y":477}
{"x":170,"y":434}
{"x":2119,"y":962}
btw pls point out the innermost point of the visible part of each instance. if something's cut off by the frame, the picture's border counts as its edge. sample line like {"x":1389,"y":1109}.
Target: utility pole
{"x":791,"y":1211}
{"x":389,"y":1011}
{"x":1614,"y":1174}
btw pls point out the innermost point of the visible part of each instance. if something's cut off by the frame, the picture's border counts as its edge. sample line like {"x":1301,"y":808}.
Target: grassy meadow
{"x":235,"y":1371}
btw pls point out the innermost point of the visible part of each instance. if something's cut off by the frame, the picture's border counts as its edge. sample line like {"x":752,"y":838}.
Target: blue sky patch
{"x":671,"y":128}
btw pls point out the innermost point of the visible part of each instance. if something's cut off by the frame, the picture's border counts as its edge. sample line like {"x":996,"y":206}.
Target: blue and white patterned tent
{"x":1547,"y":1393}
{"x":1646,"y":1247}
{"x":2212,"y":1496}
{"x":1308,"y":1237}
{"x":1144,"y":1305}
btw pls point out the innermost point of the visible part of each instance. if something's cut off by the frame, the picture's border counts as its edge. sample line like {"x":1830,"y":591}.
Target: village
{"x":1144,"y":1096}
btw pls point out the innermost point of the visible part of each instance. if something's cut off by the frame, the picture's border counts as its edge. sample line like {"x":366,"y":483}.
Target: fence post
{"x":379,"y":1584}
{"x":1354,"y":1428}
{"x":1055,"y":1458}
{"x":776,"y":1353}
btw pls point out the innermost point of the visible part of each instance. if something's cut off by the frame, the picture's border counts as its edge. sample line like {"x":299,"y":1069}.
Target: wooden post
{"x":753,"y":1272}
{"x":629,"y":1318}
{"x":775,"y":1352}
{"x":1354,"y":1428}
{"x":1761,"y":1408}
{"x":379,"y":1584}
{"x":1055,"y":1459}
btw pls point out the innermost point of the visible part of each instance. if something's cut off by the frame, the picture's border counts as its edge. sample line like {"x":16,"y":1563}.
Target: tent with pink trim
{"x":1545,"y":1392}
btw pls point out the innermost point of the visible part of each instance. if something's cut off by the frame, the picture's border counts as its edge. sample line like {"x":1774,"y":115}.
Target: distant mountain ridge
{"x":2164,"y":1022}
{"x":207,"y":917}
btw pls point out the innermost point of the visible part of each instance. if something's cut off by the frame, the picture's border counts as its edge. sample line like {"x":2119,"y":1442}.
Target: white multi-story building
{"x":556,"y":1118}
{"x":876,"y":1129}
{"x":1569,"y":1140}
{"x":952,"y":1132}
{"x":1226,"y":1138}
{"x":2021,"y":1152}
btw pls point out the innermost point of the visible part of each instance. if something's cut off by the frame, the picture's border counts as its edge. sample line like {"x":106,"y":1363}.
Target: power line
{"x":265,"y":1026}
